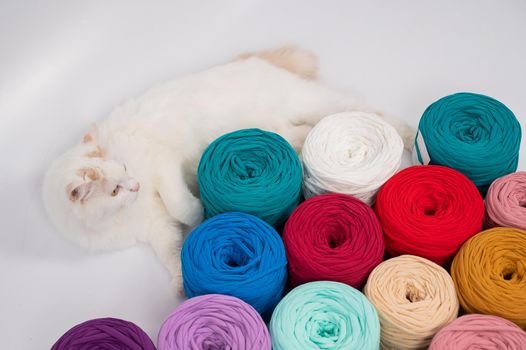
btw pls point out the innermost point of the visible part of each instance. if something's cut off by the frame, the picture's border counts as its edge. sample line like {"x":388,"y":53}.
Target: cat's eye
{"x":115,"y":191}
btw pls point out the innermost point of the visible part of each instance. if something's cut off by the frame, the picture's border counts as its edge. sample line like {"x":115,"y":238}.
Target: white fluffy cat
{"x":133,"y":177}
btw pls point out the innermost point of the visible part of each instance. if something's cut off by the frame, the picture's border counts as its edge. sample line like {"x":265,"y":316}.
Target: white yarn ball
{"x":351,"y":152}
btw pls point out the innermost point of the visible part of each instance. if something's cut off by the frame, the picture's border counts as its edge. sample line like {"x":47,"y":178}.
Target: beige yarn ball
{"x":414,"y":298}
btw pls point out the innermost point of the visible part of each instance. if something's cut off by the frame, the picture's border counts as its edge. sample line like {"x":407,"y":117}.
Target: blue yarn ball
{"x":251,"y":171}
{"x":236,"y":254}
{"x":471,"y":133}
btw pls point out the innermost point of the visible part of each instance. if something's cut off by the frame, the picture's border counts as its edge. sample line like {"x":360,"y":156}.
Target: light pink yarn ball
{"x":506,"y":202}
{"x":480,"y":332}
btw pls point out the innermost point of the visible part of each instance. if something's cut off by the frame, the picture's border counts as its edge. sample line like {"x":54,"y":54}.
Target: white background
{"x":64,"y":64}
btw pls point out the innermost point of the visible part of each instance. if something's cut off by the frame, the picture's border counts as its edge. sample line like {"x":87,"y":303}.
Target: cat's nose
{"x":135,"y":187}
{"x":131,"y":185}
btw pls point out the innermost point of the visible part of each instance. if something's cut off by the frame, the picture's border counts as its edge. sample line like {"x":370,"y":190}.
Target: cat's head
{"x":85,"y":187}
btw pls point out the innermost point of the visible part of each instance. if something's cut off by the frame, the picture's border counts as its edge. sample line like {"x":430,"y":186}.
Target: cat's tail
{"x":301,"y":62}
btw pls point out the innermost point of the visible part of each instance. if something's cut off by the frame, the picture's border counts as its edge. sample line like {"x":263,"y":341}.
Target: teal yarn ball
{"x":251,"y":171}
{"x":325,"y":315}
{"x":474,"y":134}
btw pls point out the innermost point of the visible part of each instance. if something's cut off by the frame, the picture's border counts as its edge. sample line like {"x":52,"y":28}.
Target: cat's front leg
{"x":179,"y":201}
{"x":166,"y":239}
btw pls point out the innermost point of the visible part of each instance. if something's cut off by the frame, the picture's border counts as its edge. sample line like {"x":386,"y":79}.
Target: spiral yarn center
{"x":246,"y":168}
{"x":413,"y":294}
{"x":325,"y":330}
{"x":214,"y":342}
{"x":337,"y":235}
{"x":513,"y":272}
{"x":433,"y":202}
{"x":234,"y":256}
{"x":469,"y":129}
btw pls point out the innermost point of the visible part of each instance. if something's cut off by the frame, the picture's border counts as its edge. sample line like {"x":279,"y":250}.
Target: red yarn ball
{"x":333,"y":237}
{"x":429,"y":211}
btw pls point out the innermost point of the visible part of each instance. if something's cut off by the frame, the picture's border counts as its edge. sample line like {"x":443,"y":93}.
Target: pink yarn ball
{"x":480,"y":332}
{"x":506,"y":202}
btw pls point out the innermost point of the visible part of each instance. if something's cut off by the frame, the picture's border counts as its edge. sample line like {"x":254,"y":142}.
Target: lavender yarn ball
{"x":211,"y":322}
{"x":104,"y":334}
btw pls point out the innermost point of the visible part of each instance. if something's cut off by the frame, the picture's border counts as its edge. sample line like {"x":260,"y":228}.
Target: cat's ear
{"x":81,"y":192}
{"x":92,"y":135}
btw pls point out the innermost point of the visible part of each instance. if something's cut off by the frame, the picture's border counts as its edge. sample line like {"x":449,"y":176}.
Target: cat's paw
{"x":195,"y":213}
{"x":177,"y":286}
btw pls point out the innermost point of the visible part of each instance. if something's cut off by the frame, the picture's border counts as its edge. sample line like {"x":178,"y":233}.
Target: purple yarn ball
{"x":213,"y":322}
{"x":104,"y":334}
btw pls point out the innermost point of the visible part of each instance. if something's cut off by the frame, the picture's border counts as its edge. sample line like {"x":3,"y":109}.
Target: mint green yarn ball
{"x":325,"y":315}
{"x":251,"y":171}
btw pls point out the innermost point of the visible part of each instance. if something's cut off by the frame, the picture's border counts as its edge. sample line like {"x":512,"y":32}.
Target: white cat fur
{"x":154,"y":142}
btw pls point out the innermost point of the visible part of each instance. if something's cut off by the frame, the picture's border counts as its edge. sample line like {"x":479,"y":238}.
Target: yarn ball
{"x":506,"y":201}
{"x":325,"y":315}
{"x":474,"y":134}
{"x":104,"y":334}
{"x":333,"y":237}
{"x":235,"y":254}
{"x":414,"y":298}
{"x":214,"y":321}
{"x":251,"y":171}
{"x":352,"y":153}
{"x":479,"y":332}
{"x":429,"y":211}
{"x":490,"y":274}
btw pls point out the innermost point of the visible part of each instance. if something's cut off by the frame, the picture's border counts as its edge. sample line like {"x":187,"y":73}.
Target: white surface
{"x":64,"y":64}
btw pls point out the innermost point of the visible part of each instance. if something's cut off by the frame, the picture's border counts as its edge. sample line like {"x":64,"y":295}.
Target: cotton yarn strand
{"x":429,"y":211}
{"x":414,"y":298}
{"x":333,"y":237}
{"x":104,"y":334}
{"x":325,"y":315}
{"x":479,"y":332}
{"x":506,"y":202}
{"x":236,"y":254}
{"x":251,"y":171}
{"x":472,"y":133}
{"x":490,"y":274}
{"x":352,"y":153}
{"x":214,"y":321}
